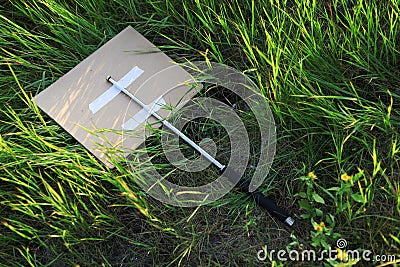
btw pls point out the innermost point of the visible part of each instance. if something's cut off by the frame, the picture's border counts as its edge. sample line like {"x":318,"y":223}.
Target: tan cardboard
{"x":67,"y":100}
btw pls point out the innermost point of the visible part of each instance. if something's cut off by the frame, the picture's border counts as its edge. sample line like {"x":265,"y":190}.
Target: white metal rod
{"x":167,"y":124}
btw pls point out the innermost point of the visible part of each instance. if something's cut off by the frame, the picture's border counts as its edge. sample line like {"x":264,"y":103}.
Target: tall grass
{"x":328,"y":69}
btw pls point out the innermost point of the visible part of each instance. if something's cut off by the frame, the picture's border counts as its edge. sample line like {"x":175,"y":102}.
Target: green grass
{"x":330,"y":71}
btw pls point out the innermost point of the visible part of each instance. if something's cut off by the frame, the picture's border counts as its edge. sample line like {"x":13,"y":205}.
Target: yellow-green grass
{"x":330,"y":71}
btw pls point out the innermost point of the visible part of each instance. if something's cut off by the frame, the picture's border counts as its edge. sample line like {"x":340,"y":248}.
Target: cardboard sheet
{"x":73,"y":100}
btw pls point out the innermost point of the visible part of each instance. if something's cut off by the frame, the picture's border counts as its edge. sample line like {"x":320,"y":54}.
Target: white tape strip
{"x":142,"y":115}
{"x":111,"y":93}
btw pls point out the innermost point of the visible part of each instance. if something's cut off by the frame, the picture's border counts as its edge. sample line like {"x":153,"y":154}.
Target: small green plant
{"x":310,"y":197}
{"x":313,"y":203}
{"x":350,"y":198}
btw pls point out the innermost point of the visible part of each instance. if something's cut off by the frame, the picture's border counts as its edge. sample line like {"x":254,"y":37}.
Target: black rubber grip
{"x":259,"y":198}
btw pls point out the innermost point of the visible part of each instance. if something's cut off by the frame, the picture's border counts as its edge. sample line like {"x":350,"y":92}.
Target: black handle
{"x":259,"y":198}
